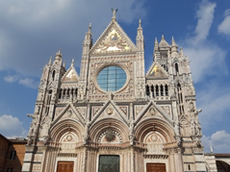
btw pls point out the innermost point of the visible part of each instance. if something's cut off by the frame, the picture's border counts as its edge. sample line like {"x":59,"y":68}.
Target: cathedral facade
{"x":113,"y":116}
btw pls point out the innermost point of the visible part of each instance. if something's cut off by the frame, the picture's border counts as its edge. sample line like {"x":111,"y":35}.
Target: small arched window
{"x":162,"y":90}
{"x":176,"y":68}
{"x":157,"y":90}
{"x":53,"y":75}
{"x":152,"y":90}
{"x":147,"y":90}
{"x":166,"y":90}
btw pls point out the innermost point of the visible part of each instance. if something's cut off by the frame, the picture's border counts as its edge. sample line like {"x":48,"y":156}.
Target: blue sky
{"x":32,"y":31}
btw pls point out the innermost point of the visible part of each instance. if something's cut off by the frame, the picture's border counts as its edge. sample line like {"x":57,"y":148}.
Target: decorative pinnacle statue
{"x":114,"y":13}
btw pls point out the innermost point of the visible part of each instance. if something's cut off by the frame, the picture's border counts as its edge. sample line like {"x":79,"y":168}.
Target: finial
{"x":211,"y":149}
{"x":181,"y":51}
{"x":114,"y":13}
{"x":90,"y":26}
{"x":64,"y":64}
{"x":162,"y":37}
{"x":139,"y":22}
{"x":72,"y":63}
{"x":156,"y":41}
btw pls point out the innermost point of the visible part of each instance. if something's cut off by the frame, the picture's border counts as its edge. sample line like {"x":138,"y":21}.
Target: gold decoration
{"x":156,"y":72}
{"x":113,"y":42}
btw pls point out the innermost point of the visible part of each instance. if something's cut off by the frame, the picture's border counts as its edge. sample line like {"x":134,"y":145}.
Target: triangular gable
{"x":156,"y":71}
{"x":65,"y":113}
{"x":152,"y":111}
{"x":110,"y":107}
{"x":70,"y":75}
{"x":113,"y":39}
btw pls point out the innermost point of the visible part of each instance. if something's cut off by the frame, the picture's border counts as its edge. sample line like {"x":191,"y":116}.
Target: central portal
{"x":109,"y":163}
{"x":65,"y":166}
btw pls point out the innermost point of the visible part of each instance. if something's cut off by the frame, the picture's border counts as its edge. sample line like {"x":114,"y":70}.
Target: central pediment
{"x":113,"y":39}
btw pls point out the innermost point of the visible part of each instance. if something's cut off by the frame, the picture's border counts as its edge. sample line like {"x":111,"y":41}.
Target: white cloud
{"x":11,"y":78}
{"x":220,"y":142}
{"x":28,"y":83}
{"x":11,"y":127}
{"x":206,"y":56}
{"x":224,"y":27}
{"x":205,"y":17}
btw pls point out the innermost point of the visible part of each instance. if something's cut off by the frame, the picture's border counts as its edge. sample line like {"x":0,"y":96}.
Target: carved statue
{"x":193,"y":112}
{"x":177,"y":128}
{"x":114,"y":12}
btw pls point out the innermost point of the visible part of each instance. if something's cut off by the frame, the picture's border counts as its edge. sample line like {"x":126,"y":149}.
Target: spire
{"x":173,"y":40}
{"x":140,"y":37}
{"x":50,"y":61}
{"x":139,"y":29}
{"x":181,"y":51}
{"x":64,"y":64}
{"x":174,"y":46}
{"x":156,"y":45}
{"x":114,"y":14}
{"x":87,"y":44}
{"x":139,"y":24}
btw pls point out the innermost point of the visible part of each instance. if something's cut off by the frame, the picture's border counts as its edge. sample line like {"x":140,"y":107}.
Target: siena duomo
{"x":114,"y":116}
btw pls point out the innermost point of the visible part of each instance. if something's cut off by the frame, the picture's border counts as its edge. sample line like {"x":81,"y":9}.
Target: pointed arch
{"x":102,"y":125}
{"x":64,"y":126}
{"x":149,"y":125}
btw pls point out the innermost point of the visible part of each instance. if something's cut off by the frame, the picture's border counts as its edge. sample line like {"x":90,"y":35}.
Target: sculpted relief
{"x":113,"y":42}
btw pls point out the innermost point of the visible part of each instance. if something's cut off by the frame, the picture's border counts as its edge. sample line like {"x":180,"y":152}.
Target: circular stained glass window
{"x":111,"y":78}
